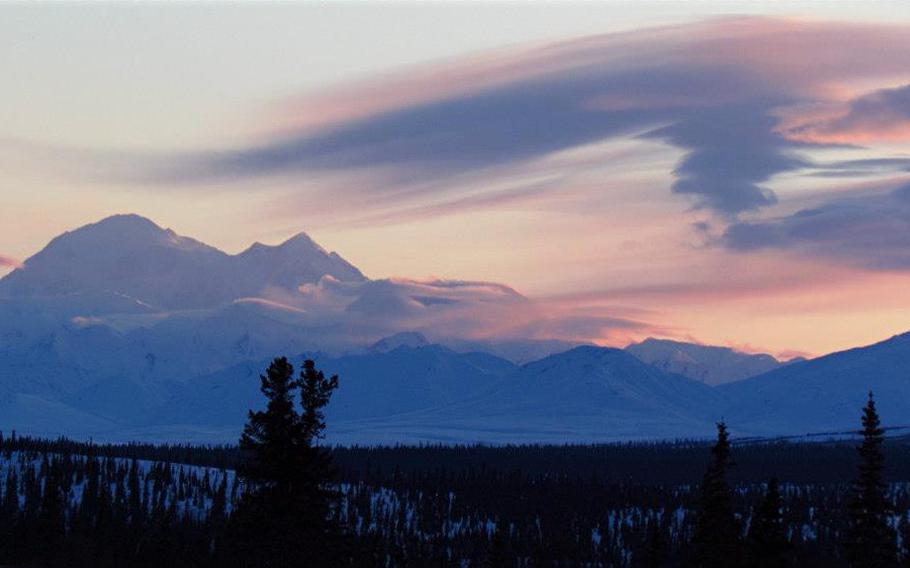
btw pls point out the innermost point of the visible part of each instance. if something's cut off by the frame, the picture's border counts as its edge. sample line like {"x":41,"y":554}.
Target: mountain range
{"x":124,"y":330}
{"x":127,"y":257}
{"x":709,"y":364}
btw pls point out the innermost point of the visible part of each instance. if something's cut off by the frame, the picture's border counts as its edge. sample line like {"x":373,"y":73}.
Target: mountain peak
{"x":302,"y":240}
{"x":711,"y":364}
{"x":297,"y":260}
{"x":410,"y":339}
{"x":126,"y":219}
{"x":122,"y":225}
{"x":115,"y":235}
{"x":130,"y":256}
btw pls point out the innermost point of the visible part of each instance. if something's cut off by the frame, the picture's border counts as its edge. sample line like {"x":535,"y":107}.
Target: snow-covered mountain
{"x":296,"y":261}
{"x":519,"y":351}
{"x":122,"y":329}
{"x":825,"y":394}
{"x":373,"y":385}
{"x":709,"y":364}
{"x":587,"y":394}
{"x":608,"y":394}
{"x":116,"y":326}
{"x":128,"y":263}
{"x":407,"y":394}
{"x":163,"y":291}
{"x":403,"y":339}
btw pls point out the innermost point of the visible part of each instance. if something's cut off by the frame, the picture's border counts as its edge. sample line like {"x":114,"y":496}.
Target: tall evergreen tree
{"x":283,"y":518}
{"x":768,"y":546}
{"x":870,"y":541}
{"x":318,"y":471}
{"x":717,"y":538}
{"x":315,"y":393}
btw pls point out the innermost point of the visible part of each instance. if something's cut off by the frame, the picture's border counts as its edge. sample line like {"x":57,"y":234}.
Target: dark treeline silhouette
{"x":216,"y":456}
{"x":681,"y":462}
{"x":293,"y":502}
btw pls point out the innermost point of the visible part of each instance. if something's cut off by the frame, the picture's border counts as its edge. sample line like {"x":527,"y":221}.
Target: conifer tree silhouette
{"x":283,"y":516}
{"x":717,"y":533}
{"x":870,"y":541}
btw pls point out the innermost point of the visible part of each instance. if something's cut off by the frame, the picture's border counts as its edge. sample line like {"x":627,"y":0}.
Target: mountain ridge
{"x":826,"y":393}
{"x":710,"y":364}
{"x":113,"y":323}
{"x":130,"y":256}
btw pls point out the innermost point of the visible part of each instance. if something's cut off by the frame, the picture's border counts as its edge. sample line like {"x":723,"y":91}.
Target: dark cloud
{"x":711,"y":90}
{"x":515,"y":122}
{"x":731,"y":150}
{"x":739,"y":98}
{"x":870,"y":231}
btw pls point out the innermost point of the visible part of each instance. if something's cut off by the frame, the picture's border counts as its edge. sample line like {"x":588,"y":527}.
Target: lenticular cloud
{"x":739,"y":97}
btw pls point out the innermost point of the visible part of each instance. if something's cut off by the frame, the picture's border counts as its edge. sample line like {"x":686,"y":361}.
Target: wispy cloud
{"x":714,"y":90}
{"x":881,"y":115}
{"x":369,"y":310}
{"x":740,"y":99}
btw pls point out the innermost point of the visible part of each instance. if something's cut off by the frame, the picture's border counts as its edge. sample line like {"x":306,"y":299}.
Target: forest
{"x":281,"y":498}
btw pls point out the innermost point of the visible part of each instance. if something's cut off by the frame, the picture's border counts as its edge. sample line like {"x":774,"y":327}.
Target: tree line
{"x":869,"y":538}
{"x":283,"y":498}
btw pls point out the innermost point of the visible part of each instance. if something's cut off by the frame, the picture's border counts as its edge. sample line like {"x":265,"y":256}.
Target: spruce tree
{"x":317,"y":472}
{"x":871,"y":541}
{"x":270,"y":437}
{"x":768,"y":546}
{"x":315,"y":393}
{"x":717,"y":539}
{"x":283,"y":518}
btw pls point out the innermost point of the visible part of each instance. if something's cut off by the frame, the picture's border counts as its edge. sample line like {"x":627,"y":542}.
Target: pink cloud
{"x":9,"y":262}
{"x":879,"y":116}
{"x":729,"y":280}
{"x":810,"y":57}
{"x":367,"y":311}
{"x":512,"y":108}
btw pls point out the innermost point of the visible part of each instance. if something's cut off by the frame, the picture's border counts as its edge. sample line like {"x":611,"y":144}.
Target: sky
{"x":722,"y":172}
